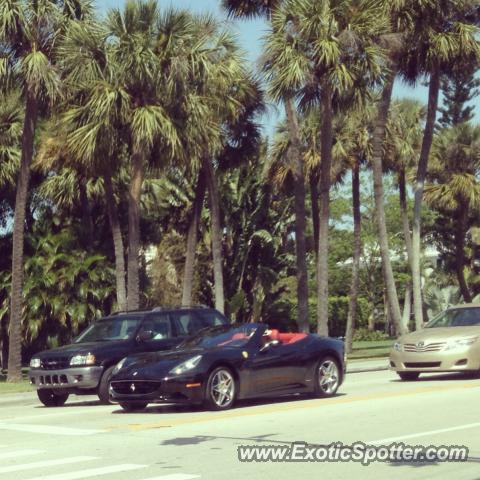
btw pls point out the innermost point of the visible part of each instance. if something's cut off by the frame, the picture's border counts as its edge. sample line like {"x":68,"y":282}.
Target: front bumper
{"x":443,"y":361}
{"x":167,"y":390}
{"x":70,"y":378}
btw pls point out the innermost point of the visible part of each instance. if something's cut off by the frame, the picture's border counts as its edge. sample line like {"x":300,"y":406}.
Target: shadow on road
{"x":179,"y":408}
{"x":431,"y":377}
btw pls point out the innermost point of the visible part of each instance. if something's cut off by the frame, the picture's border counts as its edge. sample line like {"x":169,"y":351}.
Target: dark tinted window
{"x":211,"y":318}
{"x":159,"y":324}
{"x":115,"y":328}
{"x":186,"y":323}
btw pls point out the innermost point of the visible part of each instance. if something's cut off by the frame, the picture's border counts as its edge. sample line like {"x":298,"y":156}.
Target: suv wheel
{"x":104,"y":385}
{"x":50,"y":398}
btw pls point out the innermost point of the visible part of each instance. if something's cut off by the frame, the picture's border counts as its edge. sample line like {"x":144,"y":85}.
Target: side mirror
{"x":144,"y":336}
{"x":269,"y":345}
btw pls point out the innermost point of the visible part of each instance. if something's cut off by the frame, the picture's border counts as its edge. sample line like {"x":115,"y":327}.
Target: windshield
{"x":461,"y":317}
{"x":223,"y":336}
{"x":116,"y":328}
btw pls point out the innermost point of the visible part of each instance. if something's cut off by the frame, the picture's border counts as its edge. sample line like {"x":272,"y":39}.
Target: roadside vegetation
{"x":134,"y":170}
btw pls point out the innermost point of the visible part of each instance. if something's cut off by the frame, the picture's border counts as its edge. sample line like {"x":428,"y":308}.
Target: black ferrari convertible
{"x":222,"y":364}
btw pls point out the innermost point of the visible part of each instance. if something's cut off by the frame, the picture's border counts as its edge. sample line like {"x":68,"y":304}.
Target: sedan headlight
{"x":397,"y":346}
{"x":461,"y":343}
{"x":87,"y":359}
{"x":118,"y":366}
{"x":186,"y":366}
{"x":35,"y":363}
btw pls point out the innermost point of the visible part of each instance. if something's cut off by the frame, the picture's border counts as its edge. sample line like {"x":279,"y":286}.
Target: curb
{"x":363,"y":370}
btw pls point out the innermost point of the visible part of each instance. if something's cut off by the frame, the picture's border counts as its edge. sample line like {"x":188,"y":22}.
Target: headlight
{"x":35,"y":363}
{"x":118,"y":366}
{"x":461,"y":343}
{"x":397,"y":346}
{"x":87,"y":359}
{"x":185,"y":366}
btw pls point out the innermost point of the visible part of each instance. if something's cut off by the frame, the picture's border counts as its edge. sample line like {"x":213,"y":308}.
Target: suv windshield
{"x":461,"y":317}
{"x":117,"y":328}
{"x":223,"y":336}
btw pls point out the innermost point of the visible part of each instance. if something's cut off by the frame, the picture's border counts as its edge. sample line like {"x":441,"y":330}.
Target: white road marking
{"x":92,"y":472}
{"x":19,"y":453}
{"x":74,"y":411}
{"x":46,"y":463}
{"x":174,"y":476}
{"x":48,"y":430}
{"x":423,"y":434}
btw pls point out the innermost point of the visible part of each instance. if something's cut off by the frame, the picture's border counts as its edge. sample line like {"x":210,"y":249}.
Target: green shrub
{"x":366,"y":335}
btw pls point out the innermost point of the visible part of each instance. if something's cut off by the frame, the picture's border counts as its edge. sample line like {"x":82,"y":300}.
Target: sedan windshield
{"x":118,"y":328}
{"x":461,"y":317}
{"x":223,"y":336}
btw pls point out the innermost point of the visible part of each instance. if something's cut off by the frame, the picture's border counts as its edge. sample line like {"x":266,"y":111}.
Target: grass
{"x":370,"y":349}
{"x":18,"y":387}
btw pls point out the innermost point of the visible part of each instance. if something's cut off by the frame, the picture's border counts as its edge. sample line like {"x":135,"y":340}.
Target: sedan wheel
{"x":327,"y":378}
{"x":220,"y":390}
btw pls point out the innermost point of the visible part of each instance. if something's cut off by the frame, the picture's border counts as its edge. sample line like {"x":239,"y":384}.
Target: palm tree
{"x":441,"y":35}
{"x":326,"y":49}
{"x":455,"y":188}
{"x":28,"y":33}
{"x":402,"y":149}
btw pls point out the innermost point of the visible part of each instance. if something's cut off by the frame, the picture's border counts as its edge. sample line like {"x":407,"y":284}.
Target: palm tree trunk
{"x":314,"y":178}
{"x":402,"y":190}
{"x":357,"y":251}
{"x":86,"y":213}
{"x":192,"y":239}
{"x":134,"y":194}
{"x":325,"y":181}
{"x":117,"y":242}
{"x":377,"y":164}
{"x":296,"y":161}
{"x":214,"y":204}
{"x":4,"y":337}
{"x":407,"y":306}
{"x":460,"y":254}
{"x":16,"y":303}
{"x":434,"y":89}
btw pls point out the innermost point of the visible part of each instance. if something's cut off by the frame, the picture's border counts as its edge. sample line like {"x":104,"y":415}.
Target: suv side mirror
{"x":269,"y":345}
{"x":144,"y":336}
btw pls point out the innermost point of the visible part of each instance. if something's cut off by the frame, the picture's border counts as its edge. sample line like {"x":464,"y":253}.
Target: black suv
{"x":85,"y":366}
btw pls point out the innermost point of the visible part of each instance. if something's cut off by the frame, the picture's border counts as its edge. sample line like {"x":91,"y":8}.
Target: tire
{"x":133,"y":406}
{"x":327,"y":377}
{"x":52,"y":399}
{"x":216,"y":399}
{"x":408,"y":376}
{"x":103,"y":386}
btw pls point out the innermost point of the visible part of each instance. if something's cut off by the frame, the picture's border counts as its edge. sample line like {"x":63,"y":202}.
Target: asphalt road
{"x":85,"y":440}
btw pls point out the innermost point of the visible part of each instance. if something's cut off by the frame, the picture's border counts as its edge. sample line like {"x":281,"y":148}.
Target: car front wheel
{"x":220,"y":390}
{"x":50,"y":398}
{"x":328,"y":377}
{"x":408,"y":376}
{"x":103,"y":387}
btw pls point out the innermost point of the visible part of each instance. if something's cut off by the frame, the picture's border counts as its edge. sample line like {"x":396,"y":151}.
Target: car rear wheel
{"x":50,"y":398}
{"x":327,"y":378}
{"x":133,"y":406}
{"x":409,"y":376}
{"x":104,"y":385}
{"x":220,"y":390}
